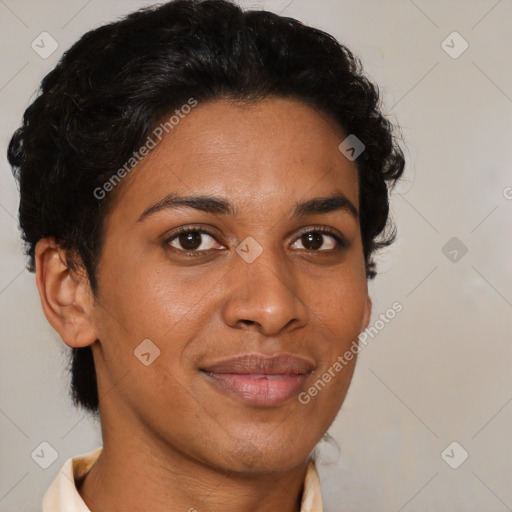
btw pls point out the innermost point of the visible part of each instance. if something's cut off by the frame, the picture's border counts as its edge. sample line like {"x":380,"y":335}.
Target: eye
{"x":189,"y":240}
{"x":320,"y":240}
{"x":193,"y":241}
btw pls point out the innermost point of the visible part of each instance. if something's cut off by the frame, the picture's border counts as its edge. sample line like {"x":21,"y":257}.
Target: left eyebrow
{"x":221,"y":206}
{"x":329,"y":204}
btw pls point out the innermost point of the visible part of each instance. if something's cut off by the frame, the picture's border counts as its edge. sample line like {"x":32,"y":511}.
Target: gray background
{"x":440,"y":370}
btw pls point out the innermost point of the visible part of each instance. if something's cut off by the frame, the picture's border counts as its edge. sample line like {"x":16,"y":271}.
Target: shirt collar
{"x":62,"y":495}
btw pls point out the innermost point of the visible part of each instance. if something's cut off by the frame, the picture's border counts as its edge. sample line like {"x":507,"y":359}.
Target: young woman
{"x":202,"y":191}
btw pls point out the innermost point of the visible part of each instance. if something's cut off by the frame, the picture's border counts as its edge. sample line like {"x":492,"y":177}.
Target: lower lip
{"x":264,"y":390}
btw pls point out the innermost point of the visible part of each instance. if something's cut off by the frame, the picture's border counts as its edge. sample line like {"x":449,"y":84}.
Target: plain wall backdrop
{"x":439,"y":372}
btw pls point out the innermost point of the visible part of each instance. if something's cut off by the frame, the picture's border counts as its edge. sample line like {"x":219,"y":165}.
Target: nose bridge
{"x":263,"y":290}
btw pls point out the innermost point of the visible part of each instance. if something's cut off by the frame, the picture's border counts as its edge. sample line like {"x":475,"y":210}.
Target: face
{"x":244,"y":272}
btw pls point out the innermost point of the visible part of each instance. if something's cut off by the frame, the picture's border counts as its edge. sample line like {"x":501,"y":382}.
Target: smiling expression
{"x":237,"y":236}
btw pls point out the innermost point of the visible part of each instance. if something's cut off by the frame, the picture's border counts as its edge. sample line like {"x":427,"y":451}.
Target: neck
{"x":138,"y":473}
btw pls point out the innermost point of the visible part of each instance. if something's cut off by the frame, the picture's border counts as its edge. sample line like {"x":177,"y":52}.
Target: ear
{"x":367,"y":313}
{"x":65,"y":297}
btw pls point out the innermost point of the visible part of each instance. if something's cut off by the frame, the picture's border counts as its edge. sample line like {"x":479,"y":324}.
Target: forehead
{"x":261,"y":155}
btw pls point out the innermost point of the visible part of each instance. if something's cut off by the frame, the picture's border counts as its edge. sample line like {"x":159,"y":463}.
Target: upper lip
{"x":280,"y":364}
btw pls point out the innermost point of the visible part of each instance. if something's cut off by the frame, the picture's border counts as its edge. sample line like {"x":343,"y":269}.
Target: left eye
{"x":315,"y":240}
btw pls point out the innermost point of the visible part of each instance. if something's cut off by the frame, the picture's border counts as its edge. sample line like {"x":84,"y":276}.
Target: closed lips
{"x":262,"y":365}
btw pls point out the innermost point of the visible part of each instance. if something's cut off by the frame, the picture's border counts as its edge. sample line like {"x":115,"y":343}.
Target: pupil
{"x":191,"y":240}
{"x":314,"y":240}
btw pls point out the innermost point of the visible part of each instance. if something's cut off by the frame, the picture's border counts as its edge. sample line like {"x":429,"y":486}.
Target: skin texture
{"x":171,"y":439}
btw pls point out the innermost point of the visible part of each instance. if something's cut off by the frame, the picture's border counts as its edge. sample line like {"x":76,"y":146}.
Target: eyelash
{"x":340,"y":242}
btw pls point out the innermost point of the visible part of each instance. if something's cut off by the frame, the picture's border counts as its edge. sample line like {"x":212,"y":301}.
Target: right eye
{"x":189,"y":241}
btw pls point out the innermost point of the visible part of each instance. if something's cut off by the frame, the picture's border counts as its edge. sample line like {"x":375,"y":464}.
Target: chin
{"x":254,"y":458}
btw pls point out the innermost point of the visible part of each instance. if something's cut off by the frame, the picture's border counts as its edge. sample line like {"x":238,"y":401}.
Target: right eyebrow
{"x":209,"y":204}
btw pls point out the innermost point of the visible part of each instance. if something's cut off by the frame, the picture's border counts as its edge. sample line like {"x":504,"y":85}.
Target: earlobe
{"x":66,"y":304}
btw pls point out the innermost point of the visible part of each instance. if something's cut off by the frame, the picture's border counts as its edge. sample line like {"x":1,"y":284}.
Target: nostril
{"x":250,"y":322}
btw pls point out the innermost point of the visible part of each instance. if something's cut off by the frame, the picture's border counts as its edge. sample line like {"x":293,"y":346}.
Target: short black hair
{"x":117,"y":82}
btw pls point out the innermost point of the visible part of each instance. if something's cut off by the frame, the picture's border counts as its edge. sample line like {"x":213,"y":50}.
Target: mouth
{"x":258,"y":379}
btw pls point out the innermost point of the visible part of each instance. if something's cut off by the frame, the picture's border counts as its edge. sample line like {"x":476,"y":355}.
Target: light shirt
{"x":62,"y":495}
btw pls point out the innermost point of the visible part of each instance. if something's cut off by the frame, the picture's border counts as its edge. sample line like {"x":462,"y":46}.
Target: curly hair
{"x":113,"y":86}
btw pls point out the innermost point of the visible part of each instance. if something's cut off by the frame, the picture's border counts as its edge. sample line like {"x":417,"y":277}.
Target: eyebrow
{"x":220,"y":206}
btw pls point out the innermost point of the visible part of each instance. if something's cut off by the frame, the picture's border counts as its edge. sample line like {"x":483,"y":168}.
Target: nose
{"x":264,"y":296}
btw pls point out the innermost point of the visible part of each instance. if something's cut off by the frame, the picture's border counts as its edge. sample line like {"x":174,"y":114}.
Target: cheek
{"x":151,"y":299}
{"x":338,"y":315}
{"x":339,"y":305}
